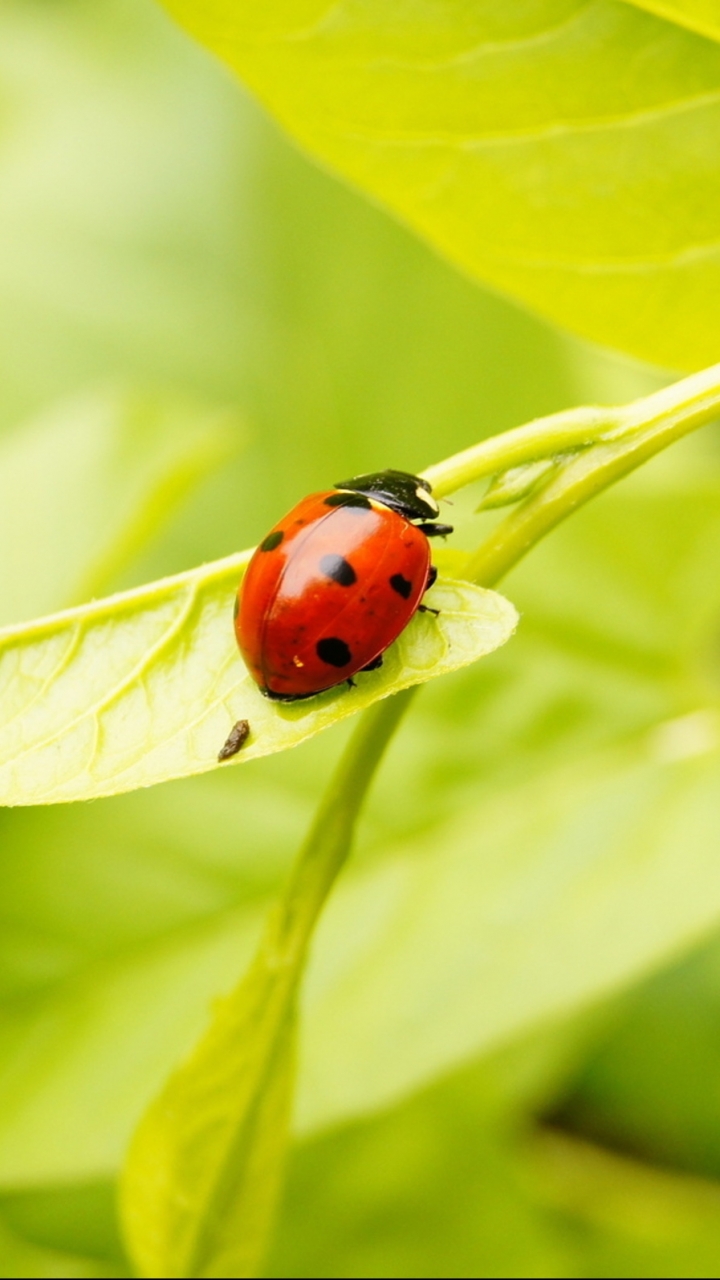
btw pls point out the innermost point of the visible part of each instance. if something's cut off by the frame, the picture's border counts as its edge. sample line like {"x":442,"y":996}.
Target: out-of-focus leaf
{"x":145,"y":686}
{"x":20,"y":1260}
{"x":156,"y":227}
{"x":85,"y":488}
{"x":629,"y":595}
{"x":120,"y":211}
{"x":79,"y":1220}
{"x":645,"y":1088}
{"x":513,"y":138}
{"x":204,"y":1170}
{"x":438,"y":1186}
{"x":547,"y":897}
{"x":205,"y":1166}
{"x":431,"y":1188}
{"x":112,"y":1034}
{"x":698,"y":15}
{"x":603,"y":657}
{"x":629,"y":1218}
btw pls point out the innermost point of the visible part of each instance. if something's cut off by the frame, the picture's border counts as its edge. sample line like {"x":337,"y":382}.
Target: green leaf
{"x":133,"y":274}
{"x":513,"y":138}
{"x":79,"y":1220}
{"x":82,"y":1060}
{"x":632,"y":1219}
{"x":393,"y":1193}
{"x":701,"y":16}
{"x":510,"y":486}
{"x":145,"y":686}
{"x":121,"y":919}
{"x":603,"y":869}
{"x":20,"y":1259}
{"x":85,"y":487}
{"x":640,"y":1091}
{"x":204,"y":1169}
{"x":547,"y":896}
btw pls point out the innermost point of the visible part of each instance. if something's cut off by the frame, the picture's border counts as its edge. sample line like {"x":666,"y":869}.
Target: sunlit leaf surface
{"x":144,"y":687}
{"x":204,"y":1171}
{"x":563,"y":151}
{"x":155,"y":228}
{"x":702,"y":16}
{"x":496,"y":884}
{"x":85,"y":487}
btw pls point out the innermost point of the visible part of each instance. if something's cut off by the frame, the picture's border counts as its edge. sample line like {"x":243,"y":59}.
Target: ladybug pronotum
{"x":334,"y":583}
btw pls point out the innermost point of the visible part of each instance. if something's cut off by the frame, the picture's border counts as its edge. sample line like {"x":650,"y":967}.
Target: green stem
{"x":329,"y":840}
{"x":612,"y":442}
{"x":693,"y":400}
{"x":646,"y":428}
{"x":544,"y":437}
{"x":603,"y":445}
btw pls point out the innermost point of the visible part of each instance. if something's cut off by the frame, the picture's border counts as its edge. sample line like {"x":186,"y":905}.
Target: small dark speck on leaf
{"x":236,"y":739}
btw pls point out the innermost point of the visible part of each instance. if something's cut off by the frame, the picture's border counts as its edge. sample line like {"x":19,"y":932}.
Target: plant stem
{"x":647,"y":427}
{"x":694,"y":400}
{"x":328,"y":842}
{"x":563,"y":432}
{"x":599,"y":447}
{"x":612,"y":442}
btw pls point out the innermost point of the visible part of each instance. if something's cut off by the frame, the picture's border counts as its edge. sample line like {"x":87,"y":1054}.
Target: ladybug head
{"x":410,"y":496}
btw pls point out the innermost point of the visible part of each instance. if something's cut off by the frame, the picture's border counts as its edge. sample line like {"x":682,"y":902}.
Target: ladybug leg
{"x":285,"y":697}
{"x":435,"y":530}
{"x":432,"y":577}
{"x":351,"y":683}
{"x":373,"y":666}
{"x":425,"y":608}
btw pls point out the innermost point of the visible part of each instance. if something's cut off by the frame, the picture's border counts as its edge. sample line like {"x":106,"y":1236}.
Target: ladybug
{"x":335,"y":582}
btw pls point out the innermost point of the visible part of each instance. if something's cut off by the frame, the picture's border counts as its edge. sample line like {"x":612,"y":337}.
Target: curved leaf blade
{"x":106,"y":470}
{"x":145,"y":685}
{"x":702,"y":16}
{"x":515,"y":140}
{"x":205,"y":1165}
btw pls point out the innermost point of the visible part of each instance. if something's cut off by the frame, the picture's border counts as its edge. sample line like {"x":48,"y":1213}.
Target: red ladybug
{"x":335,"y":582}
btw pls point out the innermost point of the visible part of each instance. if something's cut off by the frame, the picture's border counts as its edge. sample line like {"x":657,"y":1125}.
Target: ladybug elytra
{"x":335,"y":582}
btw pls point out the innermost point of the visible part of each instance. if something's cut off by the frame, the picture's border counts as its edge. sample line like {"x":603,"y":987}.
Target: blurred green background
{"x":197,"y":326}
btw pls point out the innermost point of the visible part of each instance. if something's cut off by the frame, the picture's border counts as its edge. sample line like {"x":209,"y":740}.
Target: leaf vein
{"x":558,"y":129}
{"x":121,"y":687}
{"x":57,"y":671}
{"x":691,"y":253}
{"x":473,"y":53}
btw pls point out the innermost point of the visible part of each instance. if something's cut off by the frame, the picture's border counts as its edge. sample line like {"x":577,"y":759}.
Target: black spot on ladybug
{"x":236,"y":739}
{"x":356,"y":500}
{"x":272,"y":541}
{"x":339,"y":569}
{"x":333,"y":651}
{"x":401,"y":585}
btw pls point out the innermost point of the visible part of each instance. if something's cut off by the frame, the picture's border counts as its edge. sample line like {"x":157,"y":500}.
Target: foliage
{"x":145,"y":686}
{"x":518,"y":969}
{"x":524,"y":141}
